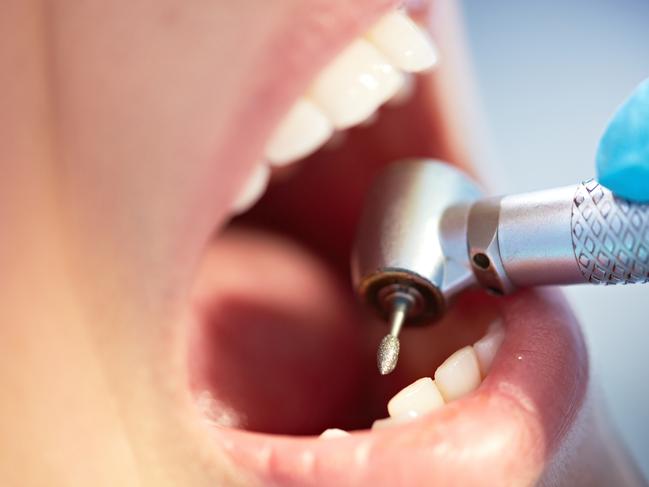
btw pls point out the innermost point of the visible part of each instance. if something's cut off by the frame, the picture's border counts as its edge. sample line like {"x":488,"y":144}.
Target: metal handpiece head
{"x":411,"y":241}
{"x":410,"y":253}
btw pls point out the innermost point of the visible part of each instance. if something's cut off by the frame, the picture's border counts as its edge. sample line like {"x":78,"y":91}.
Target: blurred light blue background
{"x":549,"y":76}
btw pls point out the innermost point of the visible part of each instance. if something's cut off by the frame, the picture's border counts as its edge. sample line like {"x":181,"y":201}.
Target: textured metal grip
{"x":610,"y":236}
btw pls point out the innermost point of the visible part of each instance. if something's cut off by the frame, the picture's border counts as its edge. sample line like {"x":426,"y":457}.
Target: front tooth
{"x":405,"y":93}
{"x":252,"y":189}
{"x":355,"y":84}
{"x":404,"y":44}
{"x":303,"y":130}
{"x":385,"y":423}
{"x":458,"y":375}
{"x":336,"y":141}
{"x":334,"y":433}
{"x":420,"y":397}
{"x":487,"y":347}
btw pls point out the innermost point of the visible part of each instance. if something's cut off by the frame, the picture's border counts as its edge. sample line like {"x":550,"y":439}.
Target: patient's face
{"x":150,"y":334}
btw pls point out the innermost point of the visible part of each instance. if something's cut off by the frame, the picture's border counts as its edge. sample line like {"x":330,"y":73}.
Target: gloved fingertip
{"x":630,"y":183}
{"x":623,"y":153}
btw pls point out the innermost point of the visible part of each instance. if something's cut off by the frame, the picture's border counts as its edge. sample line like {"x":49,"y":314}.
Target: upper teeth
{"x":352,"y":87}
{"x":403,"y":42}
{"x":252,"y":189}
{"x":349,"y":90}
{"x":310,"y":122}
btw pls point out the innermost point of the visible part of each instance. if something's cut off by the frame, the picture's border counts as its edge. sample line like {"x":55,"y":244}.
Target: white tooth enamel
{"x":487,"y":347}
{"x":355,"y":84}
{"x":333,"y":433}
{"x":403,"y":42}
{"x":458,"y":375}
{"x":385,"y":423}
{"x":404,"y":95}
{"x":302,"y":131}
{"x":253,"y":189}
{"x":336,"y":141}
{"x":368,"y":73}
{"x":420,"y":397}
{"x":369,"y":121}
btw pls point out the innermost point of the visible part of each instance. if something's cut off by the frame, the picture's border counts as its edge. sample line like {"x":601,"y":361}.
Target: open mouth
{"x":280,"y":350}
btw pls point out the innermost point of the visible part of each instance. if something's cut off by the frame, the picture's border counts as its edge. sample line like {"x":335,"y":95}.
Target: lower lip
{"x":507,"y":429}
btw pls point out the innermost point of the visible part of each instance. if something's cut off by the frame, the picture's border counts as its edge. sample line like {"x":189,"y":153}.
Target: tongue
{"x":277,"y":345}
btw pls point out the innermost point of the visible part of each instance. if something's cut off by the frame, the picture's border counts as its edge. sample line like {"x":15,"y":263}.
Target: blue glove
{"x":623,"y":153}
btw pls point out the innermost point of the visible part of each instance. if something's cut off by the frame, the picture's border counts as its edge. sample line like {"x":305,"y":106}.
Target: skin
{"x":117,"y":128}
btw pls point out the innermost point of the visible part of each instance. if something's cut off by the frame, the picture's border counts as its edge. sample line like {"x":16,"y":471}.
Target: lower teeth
{"x":458,"y":376}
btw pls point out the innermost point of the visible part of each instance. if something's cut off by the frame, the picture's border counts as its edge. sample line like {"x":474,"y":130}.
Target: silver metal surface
{"x":424,"y":237}
{"x":411,"y":239}
{"x":483,"y":246}
{"x":568,"y":235}
{"x":530,"y":239}
{"x":398,"y":317}
{"x":610,"y":236}
{"x":535,"y":239}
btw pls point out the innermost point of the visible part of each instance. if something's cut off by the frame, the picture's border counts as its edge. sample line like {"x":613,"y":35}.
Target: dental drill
{"x":426,"y":234}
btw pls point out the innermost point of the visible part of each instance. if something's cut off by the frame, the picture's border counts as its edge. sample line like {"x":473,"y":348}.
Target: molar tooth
{"x":403,"y":42}
{"x":333,"y":433}
{"x":253,"y":189}
{"x":355,"y":84}
{"x":458,"y":375}
{"x":420,"y":397}
{"x":487,"y":347}
{"x":302,"y":131}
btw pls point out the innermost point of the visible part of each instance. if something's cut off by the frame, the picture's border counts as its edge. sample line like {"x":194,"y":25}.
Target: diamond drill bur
{"x":388,"y":353}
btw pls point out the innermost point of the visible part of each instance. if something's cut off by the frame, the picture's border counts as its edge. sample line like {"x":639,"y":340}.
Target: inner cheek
{"x":273,"y":369}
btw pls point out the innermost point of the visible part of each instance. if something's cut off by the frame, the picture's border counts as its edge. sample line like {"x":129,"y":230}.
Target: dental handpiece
{"x":426,"y":234}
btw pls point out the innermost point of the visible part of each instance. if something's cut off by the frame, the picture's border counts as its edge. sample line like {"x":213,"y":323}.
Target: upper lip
{"x":315,"y":33}
{"x":520,"y":412}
